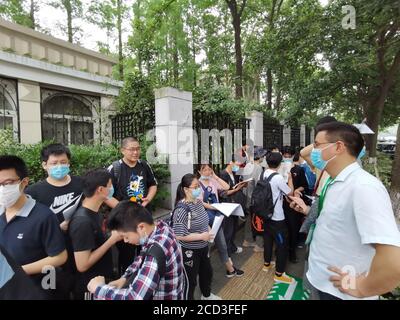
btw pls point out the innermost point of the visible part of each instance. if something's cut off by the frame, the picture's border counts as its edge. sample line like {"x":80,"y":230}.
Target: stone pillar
{"x":174,"y":135}
{"x":312,"y":133}
{"x":108,"y":109}
{"x":256,"y":127}
{"x":303,"y":135}
{"x":286,"y":135}
{"x":29,"y":112}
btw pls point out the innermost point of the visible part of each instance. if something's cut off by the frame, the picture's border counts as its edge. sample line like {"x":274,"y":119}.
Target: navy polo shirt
{"x":33,"y":234}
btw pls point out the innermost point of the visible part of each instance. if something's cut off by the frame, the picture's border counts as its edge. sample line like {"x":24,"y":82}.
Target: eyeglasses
{"x":9,"y":182}
{"x":132,"y":149}
{"x":317,"y":144}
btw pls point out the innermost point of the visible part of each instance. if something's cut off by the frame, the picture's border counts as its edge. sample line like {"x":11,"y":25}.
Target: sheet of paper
{"x":228,"y":209}
{"x":216,"y":225}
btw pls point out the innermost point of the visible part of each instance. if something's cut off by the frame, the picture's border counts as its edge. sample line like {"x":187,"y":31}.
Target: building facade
{"x":52,"y":89}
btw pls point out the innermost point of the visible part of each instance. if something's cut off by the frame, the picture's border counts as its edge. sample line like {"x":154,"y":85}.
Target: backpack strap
{"x":262,"y":174}
{"x":116,"y":165}
{"x":271,"y":176}
{"x":157,"y":253}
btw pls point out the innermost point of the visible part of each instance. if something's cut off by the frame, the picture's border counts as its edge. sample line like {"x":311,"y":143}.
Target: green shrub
{"x":84,"y":158}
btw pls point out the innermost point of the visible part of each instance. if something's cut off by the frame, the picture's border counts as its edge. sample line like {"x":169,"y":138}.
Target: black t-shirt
{"x":237,"y":197}
{"x":60,"y":200}
{"x":85,"y":231}
{"x":133,"y":181}
{"x":32,"y":235}
{"x":15,"y":284}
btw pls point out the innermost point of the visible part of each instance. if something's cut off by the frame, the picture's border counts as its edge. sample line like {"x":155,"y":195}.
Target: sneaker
{"x":248,"y":244}
{"x":236,"y":272}
{"x":283,"y":278}
{"x":212,"y":296}
{"x":258,"y":249}
{"x":269,"y":266}
{"x":239,"y":250}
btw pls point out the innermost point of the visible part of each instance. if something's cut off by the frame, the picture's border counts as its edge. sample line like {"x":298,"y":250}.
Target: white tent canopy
{"x":364,"y":129}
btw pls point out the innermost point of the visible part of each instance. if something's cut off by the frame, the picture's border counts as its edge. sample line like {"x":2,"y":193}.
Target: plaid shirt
{"x":147,"y":283}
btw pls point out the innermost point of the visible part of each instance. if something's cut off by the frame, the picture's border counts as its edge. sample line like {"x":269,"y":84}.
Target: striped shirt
{"x":195,"y":221}
{"x":147,"y":284}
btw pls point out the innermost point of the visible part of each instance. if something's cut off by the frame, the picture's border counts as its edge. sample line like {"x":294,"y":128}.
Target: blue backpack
{"x":310,"y":176}
{"x":210,"y":198}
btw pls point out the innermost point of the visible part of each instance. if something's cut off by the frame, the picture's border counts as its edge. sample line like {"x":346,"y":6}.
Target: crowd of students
{"x":322,"y":199}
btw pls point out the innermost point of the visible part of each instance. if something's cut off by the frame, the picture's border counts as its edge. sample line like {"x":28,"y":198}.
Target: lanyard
{"x":321,"y":200}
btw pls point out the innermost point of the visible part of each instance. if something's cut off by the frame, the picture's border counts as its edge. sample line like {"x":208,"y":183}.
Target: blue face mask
{"x":59,"y":172}
{"x":143,"y":240}
{"x":196,"y":193}
{"x":204,"y":177}
{"x":288,"y":160}
{"x":110,"y":192}
{"x":235,"y":168}
{"x":316,"y":158}
{"x":362,"y":154}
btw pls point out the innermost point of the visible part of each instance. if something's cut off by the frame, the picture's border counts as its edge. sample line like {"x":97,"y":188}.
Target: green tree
{"x":19,"y":11}
{"x":73,"y":10}
{"x":109,"y":15}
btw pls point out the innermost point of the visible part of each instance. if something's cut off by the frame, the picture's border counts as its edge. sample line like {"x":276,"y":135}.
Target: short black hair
{"x":273,"y":159}
{"x":288,"y":149}
{"x":54,"y":149}
{"x":272,"y":147}
{"x":94,"y":179}
{"x":345,"y":132}
{"x":296,"y":156}
{"x":326,"y":119}
{"x":127,"y":215}
{"x":126,"y":140}
{"x":16,"y":163}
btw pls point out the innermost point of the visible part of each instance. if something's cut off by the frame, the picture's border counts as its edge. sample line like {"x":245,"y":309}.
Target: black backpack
{"x":262,"y":203}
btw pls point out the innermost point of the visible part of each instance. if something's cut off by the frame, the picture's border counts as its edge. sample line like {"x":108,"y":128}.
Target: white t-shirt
{"x":357,"y":212}
{"x":278,"y":187}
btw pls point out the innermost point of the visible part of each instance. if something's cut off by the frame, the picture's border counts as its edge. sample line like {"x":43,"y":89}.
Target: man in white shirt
{"x":355,"y":246}
{"x":275,"y":230}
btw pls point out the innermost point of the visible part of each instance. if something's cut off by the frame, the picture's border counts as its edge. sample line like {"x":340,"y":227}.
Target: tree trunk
{"x":32,"y":14}
{"x":120,"y":53}
{"x":69,"y":22}
{"x":236,"y":22}
{"x":269,"y":89}
{"x":395,"y":184}
{"x":375,"y":108}
{"x":175,"y":59}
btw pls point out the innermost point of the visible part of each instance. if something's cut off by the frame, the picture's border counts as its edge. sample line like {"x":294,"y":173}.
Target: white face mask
{"x":9,"y":195}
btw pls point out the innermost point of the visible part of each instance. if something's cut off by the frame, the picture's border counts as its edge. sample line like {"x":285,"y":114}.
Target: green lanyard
{"x":321,"y":200}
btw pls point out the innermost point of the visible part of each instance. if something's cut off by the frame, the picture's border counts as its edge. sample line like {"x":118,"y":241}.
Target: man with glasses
{"x":62,"y":193}
{"x":133,"y":179}
{"x":355,"y":243}
{"x":29,"y":231}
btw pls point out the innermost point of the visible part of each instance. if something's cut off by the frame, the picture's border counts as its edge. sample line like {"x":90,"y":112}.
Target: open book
{"x":241,"y":182}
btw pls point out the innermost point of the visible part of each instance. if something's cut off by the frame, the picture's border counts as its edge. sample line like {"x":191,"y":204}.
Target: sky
{"x":48,"y":18}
